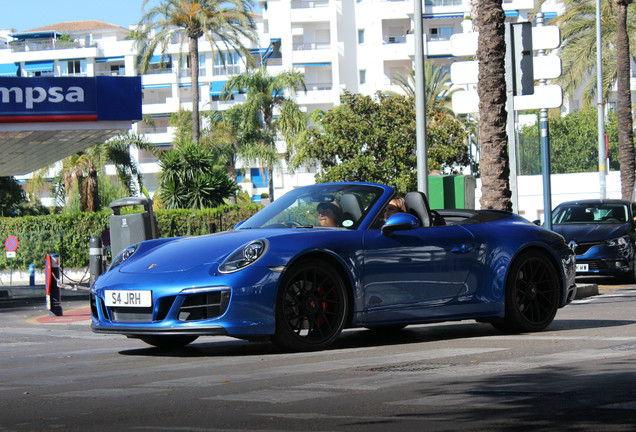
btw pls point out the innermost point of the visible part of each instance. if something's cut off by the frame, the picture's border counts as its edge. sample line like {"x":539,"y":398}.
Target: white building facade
{"x":357,"y":45}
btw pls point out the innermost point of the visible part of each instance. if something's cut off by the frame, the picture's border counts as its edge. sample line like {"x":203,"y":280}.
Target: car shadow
{"x":361,"y":338}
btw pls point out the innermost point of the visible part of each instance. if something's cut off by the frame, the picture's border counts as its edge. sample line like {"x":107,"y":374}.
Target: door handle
{"x":462,"y":249}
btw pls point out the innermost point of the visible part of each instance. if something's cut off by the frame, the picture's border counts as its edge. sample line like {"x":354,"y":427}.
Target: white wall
{"x":564,"y":187}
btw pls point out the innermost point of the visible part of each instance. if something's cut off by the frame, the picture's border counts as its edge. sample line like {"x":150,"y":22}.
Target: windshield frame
{"x":321,"y":192}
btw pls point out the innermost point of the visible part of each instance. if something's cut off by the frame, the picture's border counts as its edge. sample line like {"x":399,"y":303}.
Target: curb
{"x":586,"y":290}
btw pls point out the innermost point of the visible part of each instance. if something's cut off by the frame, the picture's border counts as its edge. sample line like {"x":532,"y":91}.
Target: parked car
{"x":281,"y":275}
{"x":602,"y":233}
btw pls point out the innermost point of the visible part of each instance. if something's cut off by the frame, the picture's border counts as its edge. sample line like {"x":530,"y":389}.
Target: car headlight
{"x":123,"y":255}
{"x":617,"y":242}
{"x":244,"y":256}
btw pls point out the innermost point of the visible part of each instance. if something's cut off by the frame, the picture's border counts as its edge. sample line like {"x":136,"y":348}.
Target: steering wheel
{"x":290,"y":224}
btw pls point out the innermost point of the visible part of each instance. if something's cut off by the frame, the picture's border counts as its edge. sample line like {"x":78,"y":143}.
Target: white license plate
{"x":582,"y":267}
{"x":128,"y":298}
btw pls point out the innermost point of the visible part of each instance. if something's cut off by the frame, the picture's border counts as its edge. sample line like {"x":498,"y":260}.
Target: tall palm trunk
{"x":624,"y":103}
{"x":194,"y":79}
{"x":493,"y":140}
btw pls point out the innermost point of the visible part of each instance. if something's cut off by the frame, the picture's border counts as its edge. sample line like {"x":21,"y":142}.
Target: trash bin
{"x":131,"y":228}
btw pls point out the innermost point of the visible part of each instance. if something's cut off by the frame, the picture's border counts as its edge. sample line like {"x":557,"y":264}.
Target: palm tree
{"x":624,"y":102}
{"x":82,"y":170}
{"x":265,"y":94}
{"x":578,"y":54}
{"x":438,"y":84}
{"x":224,"y":23}
{"x":491,"y":88}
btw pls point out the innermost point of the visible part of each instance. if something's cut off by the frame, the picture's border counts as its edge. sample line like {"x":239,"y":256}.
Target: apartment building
{"x":358,"y":45}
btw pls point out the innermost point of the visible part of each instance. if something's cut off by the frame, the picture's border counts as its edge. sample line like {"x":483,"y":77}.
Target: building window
{"x":202,"y":70}
{"x":361,"y":36}
{"x":441,"y":33}
{"x":363,"y":76}
{"x":227,"y":64}
{"x":73,"y":67}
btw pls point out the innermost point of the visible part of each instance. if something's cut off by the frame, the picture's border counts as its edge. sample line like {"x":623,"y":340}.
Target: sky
{"x":25,"y":15}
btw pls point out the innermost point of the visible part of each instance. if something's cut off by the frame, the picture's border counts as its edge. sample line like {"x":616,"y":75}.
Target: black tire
{"x":311,"y":307}
{"x":167,"y":342}
{"x":387,"y":328}
{"x":630,"y":277}
{"x":532,"y":294}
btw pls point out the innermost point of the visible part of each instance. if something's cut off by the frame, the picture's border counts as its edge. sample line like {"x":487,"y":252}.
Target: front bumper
{"x":241,"y":304}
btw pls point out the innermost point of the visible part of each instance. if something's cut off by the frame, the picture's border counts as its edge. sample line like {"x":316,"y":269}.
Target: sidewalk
{"x":13,"y":292}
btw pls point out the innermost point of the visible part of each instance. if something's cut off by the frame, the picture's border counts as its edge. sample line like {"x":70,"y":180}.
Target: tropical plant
{"x":373,"y":139}
{"x":83,"y":170}
{"x":438,"y":84}
{"x":11,"y":195}
{"x":189,"y":178}
{"x":266,"y":94}
{"x":578,"y":54}
{"x":224,"y":23}
{"x":493,"y":139}
{"x":573,"y":143}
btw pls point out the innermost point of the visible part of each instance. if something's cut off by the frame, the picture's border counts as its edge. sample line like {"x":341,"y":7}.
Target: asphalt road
{"x":55,"y":374}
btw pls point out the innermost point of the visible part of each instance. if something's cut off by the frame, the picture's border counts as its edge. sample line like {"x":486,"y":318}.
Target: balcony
{"x":310,"y":11}
{"x":44,"y":45}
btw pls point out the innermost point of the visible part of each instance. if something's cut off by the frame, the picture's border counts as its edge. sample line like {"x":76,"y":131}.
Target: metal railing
{"x":53,"y":44}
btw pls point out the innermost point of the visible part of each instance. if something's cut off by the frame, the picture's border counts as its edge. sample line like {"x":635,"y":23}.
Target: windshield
{"x":590,"y":213}
{"x":329,"y":205}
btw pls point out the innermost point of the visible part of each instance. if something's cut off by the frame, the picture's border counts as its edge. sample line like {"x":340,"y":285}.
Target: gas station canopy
{"x":43,"y":120}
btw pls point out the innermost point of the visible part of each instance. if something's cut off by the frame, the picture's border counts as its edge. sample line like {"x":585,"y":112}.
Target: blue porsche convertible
{"x":323,"y":258}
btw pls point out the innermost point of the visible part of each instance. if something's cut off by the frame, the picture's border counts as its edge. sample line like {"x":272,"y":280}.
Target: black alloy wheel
{"x":311,"y":307}
{"x":532,"y":294}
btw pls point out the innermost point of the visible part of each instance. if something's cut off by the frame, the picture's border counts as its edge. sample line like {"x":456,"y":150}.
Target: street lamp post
{"x":420,"y":102}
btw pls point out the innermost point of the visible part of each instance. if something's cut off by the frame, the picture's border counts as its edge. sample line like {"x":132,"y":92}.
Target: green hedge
{"x":68,"y":234}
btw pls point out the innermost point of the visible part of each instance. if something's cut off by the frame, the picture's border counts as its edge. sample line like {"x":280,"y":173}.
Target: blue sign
{"x":46,"y":99}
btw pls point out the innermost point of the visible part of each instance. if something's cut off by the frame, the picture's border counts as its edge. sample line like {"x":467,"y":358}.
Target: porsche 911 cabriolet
{"x":323,"y":258}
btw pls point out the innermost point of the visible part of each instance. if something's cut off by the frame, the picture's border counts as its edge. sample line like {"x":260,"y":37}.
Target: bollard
{"x":53,"y":292}
{"x":95,"y":258}
{"x":31,"y":274}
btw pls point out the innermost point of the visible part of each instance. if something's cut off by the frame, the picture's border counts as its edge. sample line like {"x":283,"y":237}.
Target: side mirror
{"x":400,"y":222}
{"x":238,"y":225}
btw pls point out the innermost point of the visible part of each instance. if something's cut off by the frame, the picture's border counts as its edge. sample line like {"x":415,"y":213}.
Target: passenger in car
{"x":396,"y":205}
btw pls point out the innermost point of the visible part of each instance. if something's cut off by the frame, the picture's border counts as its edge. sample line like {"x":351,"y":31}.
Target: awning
{"x":216,"y":88}
{"x":512,"y":13}
{"x":155,"y":86}
{"x":109,"y":59}
{"x":312,"y":64}
{"x":41,"y":66}
{"x":156,"y":59}
{"x":443,"y":15}
{"x":189,"y":85}
{"x":9,"y":69}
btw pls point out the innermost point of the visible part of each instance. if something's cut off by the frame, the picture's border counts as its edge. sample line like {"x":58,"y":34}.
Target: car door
{"x":415,"y":269}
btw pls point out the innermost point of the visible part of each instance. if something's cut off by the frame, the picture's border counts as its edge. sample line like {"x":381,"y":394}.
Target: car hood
{"x":185,"y":253}
{"x":590,"y":232}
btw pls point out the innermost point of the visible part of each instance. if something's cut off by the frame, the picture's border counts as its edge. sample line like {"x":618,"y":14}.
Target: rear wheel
{"x":532,"y":294}
{"x":168,"y":341}
{"x":311,"y":307}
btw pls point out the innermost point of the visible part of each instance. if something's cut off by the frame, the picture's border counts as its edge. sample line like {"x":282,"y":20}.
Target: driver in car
{"x":329,"y":214}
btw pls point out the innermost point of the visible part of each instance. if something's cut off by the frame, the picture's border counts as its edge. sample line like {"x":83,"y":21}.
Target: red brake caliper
{"x":321,"y":292}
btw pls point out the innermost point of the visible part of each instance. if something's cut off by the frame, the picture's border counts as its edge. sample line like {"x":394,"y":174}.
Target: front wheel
{"x":532,"y":294}
{"x":311,"y":307}
{"x":167,"y":342}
